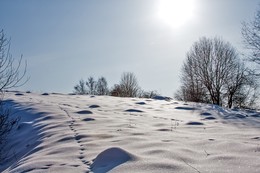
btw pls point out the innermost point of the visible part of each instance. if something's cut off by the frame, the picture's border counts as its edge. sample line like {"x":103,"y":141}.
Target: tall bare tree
{"x":212,"y":72}
{"x":251,"y":39}
{"x":192,"y":89}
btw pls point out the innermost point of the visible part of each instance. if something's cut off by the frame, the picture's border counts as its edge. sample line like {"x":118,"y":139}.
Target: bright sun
{"x":176,"y":12}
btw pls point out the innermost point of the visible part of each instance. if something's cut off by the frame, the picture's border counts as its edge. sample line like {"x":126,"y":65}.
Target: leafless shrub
{"x":128,"y":85}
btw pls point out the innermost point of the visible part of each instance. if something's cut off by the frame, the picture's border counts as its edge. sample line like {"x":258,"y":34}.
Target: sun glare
{"x":176,"y":12}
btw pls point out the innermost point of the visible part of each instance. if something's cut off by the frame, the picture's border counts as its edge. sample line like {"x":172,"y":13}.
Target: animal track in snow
{"x":77,"y":137}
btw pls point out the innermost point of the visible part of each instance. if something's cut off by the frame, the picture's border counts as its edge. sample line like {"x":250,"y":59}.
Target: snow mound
{"x":110,"y":158}
{"x":185,"y":108}
{"x":140,"y":103}
{"x":84,"y":112}
{"x":162,"y":98}
{"x":133,"y":110}
{"x":94,"y":106}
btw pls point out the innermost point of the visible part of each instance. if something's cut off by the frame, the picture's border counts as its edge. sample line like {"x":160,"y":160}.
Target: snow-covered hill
{"x":70,"y":133}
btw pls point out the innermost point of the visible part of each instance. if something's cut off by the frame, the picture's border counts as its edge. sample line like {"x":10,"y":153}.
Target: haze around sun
{"x":176,"y":13}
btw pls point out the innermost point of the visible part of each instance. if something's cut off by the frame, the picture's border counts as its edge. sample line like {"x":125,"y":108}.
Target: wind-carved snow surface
{"x":70,"y":133}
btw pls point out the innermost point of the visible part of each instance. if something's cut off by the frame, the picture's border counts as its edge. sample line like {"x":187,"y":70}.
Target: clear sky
{"x":64,"y":41}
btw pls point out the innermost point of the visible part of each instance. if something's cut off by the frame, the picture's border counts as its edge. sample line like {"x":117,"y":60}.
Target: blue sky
{"x":64,"y":41}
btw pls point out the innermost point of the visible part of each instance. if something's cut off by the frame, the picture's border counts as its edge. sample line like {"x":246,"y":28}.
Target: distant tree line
{"x":92,"y":87}
{"x":128,"y":87}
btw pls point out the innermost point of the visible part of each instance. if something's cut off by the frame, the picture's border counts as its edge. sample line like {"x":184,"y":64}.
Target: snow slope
{"x":70,"y":133}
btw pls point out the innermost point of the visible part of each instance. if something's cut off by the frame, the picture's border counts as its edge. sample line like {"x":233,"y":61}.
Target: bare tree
{"x":80,"y":88}
{"x":101,"y":86}
{"x":11,"y":76}
{"x":91,"y":84}
{"x":212,"y":73}
{"x":191,"y":89}
{"x":251,"y":38}
{"x":239,"y":85}
{"x":128,"y":85}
